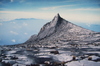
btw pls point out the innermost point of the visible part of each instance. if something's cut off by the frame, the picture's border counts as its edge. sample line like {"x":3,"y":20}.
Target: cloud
{"x":14,"y":32}
{"x":83,"y":18}
{"x":25,"y":33}
{"x":55,"y":7}
{"x":85,"y":9}
{"x":11,"y":0}
{"x":11,"y":15}
{"x":13,"y":40}
{"x":13,"y":22}
{"x":0,"y":23}
{"x":88,"y":25}
{"x":25,"y":24}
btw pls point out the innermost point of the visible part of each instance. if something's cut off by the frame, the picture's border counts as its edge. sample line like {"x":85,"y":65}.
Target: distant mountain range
{"x":60,"y":31}
{"x":26,"y":19}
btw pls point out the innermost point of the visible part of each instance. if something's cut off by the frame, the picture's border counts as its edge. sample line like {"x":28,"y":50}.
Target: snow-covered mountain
{"x":62,"y":31}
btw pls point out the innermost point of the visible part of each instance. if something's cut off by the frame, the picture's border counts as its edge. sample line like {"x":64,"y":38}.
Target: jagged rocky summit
{"x":61,"y":31}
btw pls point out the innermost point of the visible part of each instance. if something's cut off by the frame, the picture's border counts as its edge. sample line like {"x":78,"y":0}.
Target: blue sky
{"x":19,"y":19}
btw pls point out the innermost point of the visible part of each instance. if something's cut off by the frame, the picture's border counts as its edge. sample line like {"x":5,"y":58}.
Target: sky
{"x":86,"y":11}
{"x":19,"y":19}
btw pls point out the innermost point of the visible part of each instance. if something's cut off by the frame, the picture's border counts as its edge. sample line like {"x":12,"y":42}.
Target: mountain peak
{"x":60,"y":29}
{"x":56,"y":18}
{"x":57,"y":15}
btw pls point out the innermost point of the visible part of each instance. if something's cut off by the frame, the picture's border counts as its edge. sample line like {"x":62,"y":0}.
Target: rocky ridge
{"x":60,"y":31}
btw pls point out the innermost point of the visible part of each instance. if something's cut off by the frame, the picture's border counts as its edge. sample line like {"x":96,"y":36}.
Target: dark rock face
{"x":60,"y":30}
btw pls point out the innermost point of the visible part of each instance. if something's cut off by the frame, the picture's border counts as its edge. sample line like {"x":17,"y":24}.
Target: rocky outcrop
{"x":60,"y":31}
